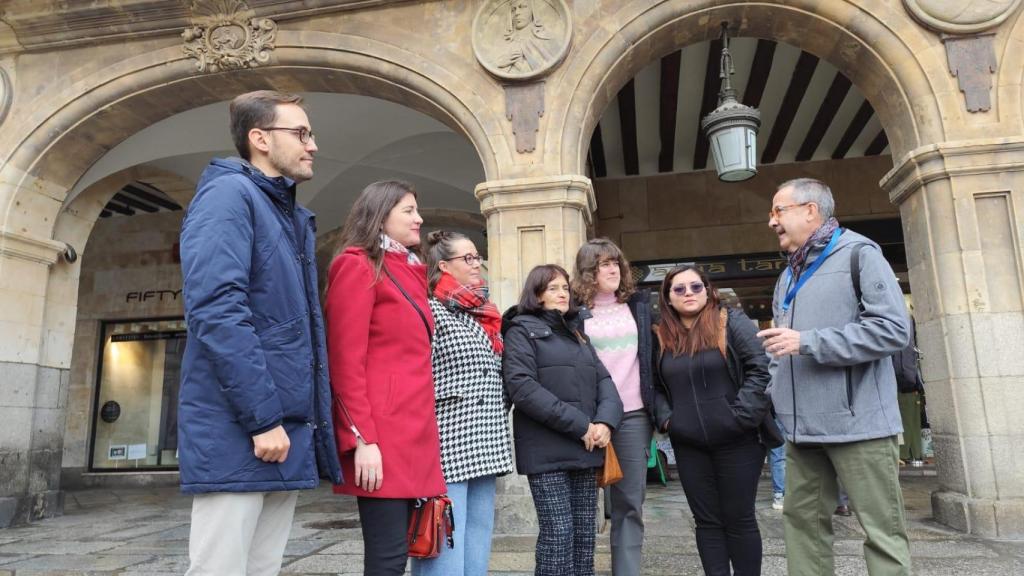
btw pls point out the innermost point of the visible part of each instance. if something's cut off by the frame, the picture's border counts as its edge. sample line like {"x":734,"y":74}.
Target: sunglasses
{"x":695,"y":288}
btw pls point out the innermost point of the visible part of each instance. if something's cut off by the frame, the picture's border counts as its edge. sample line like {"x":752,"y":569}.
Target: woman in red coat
{"x":379,"y":330}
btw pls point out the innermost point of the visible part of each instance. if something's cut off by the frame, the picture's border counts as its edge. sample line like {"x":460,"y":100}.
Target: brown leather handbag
{"x":611,"y":472}
{"x":430,"y":527}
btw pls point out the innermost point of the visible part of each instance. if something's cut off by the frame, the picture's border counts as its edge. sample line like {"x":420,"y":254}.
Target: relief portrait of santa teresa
{"x":521,"y":39}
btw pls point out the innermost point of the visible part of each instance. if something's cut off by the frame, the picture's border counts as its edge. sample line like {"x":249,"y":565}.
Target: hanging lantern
{"x":732,"y":127}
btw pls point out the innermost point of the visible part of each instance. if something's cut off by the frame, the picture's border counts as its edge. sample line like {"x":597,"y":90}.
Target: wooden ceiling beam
{"x":627,"y":120}
{"x":860,"y":120}
{"x":670,"y":69}
{"x":798,"y":83}
{"x":823,"y":119}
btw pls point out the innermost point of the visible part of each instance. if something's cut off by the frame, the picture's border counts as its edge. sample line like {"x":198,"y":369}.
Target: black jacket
{"x":640,"y":307}
{"x":746,"y":405}
{"x":558,"y":388}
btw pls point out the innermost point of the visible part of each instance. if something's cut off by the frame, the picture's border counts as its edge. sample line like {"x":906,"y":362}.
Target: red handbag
{"x":431,"y":523}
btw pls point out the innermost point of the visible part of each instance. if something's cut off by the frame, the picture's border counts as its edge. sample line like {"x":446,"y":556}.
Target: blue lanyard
{"x":791,"y":293}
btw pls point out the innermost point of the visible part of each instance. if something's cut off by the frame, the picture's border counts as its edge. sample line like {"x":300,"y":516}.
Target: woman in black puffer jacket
{"x":711,"y":370}
{"x":566,"y":405}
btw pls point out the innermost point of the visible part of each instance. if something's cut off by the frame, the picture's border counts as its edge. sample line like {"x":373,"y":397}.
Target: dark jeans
{"x":385,"y":522}
{"x":721,"y":485}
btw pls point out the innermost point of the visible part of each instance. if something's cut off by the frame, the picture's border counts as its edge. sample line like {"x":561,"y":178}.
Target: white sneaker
{"x":777,"y":500}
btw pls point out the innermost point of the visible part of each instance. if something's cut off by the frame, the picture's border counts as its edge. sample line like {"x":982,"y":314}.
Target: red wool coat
{"x":379,"y":356}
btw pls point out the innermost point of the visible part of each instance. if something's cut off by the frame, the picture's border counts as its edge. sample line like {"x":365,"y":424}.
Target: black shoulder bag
{"x":426,"y":325}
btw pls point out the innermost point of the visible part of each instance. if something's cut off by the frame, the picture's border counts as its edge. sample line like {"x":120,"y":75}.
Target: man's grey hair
{"x":807,"y":190}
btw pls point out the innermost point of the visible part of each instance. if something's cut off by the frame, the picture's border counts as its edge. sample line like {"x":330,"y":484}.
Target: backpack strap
{"x":855,"y":273}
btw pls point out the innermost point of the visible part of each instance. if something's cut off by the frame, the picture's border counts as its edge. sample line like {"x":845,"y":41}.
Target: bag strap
{"x":426,"y":325}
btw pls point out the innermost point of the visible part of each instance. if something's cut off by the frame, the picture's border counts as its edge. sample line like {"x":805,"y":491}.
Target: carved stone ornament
{"x":226,"y":36}
{"x":6,"y":94}
{"x":972,"y":60}
{"x":961,"y":16}
{"x":521,"y":39}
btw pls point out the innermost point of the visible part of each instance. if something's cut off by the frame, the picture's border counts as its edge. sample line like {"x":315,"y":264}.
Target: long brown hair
{"x":365,"y":222}
{"x":674,"y":335}
{"x":588,"y":259}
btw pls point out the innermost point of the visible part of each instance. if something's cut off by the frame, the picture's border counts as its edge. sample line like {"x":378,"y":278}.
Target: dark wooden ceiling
{"x":809,"y":111}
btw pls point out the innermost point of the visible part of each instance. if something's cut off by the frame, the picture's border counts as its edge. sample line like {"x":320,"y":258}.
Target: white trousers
{"x":239,"y":533}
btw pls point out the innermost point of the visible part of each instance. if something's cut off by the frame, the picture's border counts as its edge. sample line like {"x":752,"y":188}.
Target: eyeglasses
{"x":776,"y":211}
{"x":304,"y":134}
{"x":469,"y":259}
{"x":695,"y":288}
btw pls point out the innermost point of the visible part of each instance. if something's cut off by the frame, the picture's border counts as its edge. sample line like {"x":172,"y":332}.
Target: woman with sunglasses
{"x":469,"y":401}
{"x":711,"y":370}
{"x":620,"y":330}
{"x":565,"y":407}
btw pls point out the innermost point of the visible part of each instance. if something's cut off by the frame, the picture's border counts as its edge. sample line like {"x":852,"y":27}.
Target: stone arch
{"x":889,"y":69}
{"x":91,"y":116}
{"x":55,"y":143}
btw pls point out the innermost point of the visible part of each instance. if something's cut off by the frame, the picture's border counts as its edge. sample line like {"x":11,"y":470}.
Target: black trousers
{"x":721,"y":486}
{"x":385,"y":548}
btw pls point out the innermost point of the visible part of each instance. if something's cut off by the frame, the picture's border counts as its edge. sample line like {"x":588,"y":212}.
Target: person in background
{"x":469,"y":400}
{"x":566,"y":407}
{"x":711,"y":371}
{"x":379,"y":330}
{"x":255,"y":404}
{"x":620,"y":331}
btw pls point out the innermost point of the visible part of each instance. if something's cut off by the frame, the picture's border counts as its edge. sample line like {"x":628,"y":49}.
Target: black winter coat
{"x":558,"y":388}
{"x":748,"y":406}
{"x":640,"y":307}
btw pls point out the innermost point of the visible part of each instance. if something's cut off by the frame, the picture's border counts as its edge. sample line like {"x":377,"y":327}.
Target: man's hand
{"x":601,"y":435}
{"x":369,"y":466}
{"x":272,"y":445}
{"x":780,"y":341}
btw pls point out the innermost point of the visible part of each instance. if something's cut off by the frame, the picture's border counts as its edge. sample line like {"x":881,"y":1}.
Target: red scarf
{"x":472,"y":300}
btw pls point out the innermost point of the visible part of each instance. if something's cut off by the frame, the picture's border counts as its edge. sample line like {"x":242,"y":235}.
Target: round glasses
{"x":469,"y":259}
{"x":695,"y":288}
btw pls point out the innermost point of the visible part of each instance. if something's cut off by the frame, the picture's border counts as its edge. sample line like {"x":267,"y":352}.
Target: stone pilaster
{"x":32,"y":396}
{"x":533,"y":221}
{"x":962,"y":205}
{"x":530,"y":221}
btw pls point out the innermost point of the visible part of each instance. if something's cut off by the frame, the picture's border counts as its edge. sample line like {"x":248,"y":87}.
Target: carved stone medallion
{"x":521,"y":39}
{"x":226,"y":36}
{"x":6,"y":94}
{"x":961,"y":16}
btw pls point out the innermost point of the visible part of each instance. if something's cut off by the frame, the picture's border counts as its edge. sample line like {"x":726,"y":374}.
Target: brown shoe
{"x":843,"y":511}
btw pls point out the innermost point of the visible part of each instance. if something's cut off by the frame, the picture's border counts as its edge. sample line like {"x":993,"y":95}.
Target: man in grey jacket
{"x":833,"y":384}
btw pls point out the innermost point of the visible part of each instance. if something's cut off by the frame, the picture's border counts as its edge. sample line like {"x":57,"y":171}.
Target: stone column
{"x":962,"y":205}
{"x":533,"y":221}
{"x":530,"y":221}
{"x":32,"y":394}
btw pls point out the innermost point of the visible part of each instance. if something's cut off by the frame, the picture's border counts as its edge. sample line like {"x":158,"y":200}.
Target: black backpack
{"x":904,"y":362}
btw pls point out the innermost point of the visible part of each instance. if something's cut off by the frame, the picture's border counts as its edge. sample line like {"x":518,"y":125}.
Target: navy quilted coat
{"x":255,"y":356}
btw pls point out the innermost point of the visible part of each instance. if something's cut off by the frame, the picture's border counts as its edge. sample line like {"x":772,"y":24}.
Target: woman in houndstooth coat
{"x":472,"y":413}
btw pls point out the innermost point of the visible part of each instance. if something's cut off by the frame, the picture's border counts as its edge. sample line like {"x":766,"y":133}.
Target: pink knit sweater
{"x":613,"y":333}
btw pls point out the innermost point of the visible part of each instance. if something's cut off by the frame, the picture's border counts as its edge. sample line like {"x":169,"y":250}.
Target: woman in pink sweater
{"x":620,"y":330}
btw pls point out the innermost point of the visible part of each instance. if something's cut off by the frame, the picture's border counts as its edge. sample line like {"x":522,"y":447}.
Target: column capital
{"x":33,"y":249}
{"x":571,"y":190}
{"x":946,"y":160}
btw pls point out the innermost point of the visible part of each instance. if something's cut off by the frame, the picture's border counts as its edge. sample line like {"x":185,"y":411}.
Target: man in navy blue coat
{"x":254,"y":416}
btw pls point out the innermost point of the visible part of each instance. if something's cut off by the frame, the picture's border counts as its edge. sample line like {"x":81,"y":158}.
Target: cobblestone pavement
{"x":135,"y":532}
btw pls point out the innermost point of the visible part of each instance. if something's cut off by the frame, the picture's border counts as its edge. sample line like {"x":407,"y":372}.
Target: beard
{"x":293,"y":169}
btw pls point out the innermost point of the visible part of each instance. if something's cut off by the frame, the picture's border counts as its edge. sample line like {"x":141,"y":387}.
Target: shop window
{"x":135,"y":422}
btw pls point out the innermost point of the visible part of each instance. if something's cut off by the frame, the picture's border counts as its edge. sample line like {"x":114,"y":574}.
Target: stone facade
{"x":83,"y":79}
